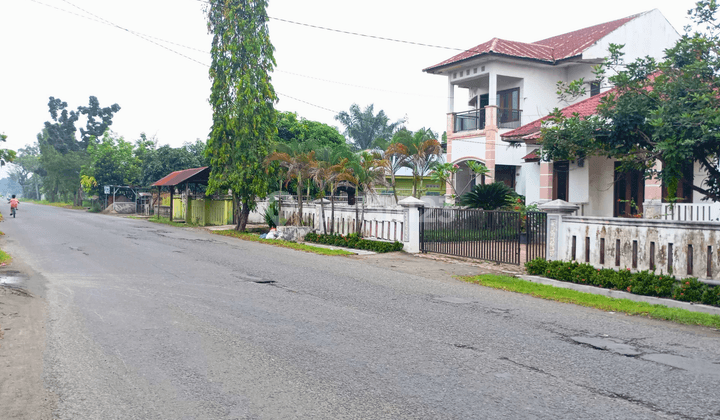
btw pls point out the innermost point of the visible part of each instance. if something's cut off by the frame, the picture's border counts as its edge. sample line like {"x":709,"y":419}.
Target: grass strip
{"x":278,"y":242}
{"x":4,"y":257}
{"x":65,"y":205}
{"x":604,"y":303}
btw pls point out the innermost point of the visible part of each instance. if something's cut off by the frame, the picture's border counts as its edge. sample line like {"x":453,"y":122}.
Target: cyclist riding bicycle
{"x":13,"y":205}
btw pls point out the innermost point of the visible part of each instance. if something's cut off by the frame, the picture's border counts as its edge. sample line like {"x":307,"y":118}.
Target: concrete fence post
{"x":412,"y":206}
{"x":555,"y":241}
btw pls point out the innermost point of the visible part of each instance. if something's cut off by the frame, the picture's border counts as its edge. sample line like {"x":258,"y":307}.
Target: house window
{"x":629,"y":192}
{"x":561,"y":177}
{"x":508,"y":102}
{"x":594,"y":88}
{"x":505,"y":174}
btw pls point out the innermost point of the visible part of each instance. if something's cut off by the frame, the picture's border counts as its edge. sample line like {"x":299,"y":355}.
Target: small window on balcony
{"x":475,"y":70}
{"x":594,"y":88}
{"x":454,"y":75}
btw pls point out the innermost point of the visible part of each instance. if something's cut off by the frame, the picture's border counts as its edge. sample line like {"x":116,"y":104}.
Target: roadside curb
{"x":353,"y":250}
{"x":693,"y":307}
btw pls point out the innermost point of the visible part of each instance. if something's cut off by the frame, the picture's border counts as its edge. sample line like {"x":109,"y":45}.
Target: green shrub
{"x":645,"y":283}
{"x":690,"y":290}
{"x":487,"y":196}
{"x":354,"y":241}
{"x":711,"y":296}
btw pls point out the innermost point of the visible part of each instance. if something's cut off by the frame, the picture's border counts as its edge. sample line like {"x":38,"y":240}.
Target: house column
{"x":491,"y":137}
{"x":652,"y":205}
{"x":491,"y":128}
{"x":546,"y":181}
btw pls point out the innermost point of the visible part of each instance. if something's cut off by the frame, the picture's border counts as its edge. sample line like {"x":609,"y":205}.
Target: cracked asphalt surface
{"x":146,"y":321}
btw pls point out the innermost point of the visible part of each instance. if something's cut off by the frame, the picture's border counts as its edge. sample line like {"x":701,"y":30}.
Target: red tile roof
{"x":548,"y":50}
{"x":178,"y":177}
{"x":532,"y":156}
{"x":531,"y":130}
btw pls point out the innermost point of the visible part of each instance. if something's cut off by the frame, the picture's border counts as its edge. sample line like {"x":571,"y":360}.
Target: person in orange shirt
{"x":13,"y":205}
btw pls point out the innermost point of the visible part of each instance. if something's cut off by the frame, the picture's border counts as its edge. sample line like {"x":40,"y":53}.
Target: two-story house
{"x":511,"y":85}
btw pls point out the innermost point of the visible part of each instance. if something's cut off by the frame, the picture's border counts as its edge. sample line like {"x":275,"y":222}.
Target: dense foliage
{"x":659,"y":117}
{"x":487,"y":196}
{"x":365,"y":128}
{"x":242,"y":98}
{"x":354,"y":241}
{"x":640,"y":283}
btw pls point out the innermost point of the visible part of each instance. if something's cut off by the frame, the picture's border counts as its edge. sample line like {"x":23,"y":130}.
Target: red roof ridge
{"x":561,"y":46}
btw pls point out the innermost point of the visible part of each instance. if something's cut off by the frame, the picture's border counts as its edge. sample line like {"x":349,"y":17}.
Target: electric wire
{"x":143,"y":37}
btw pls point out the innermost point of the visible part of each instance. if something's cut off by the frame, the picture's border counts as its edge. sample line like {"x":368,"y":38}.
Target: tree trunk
{"x":243,"y":218}
{"x":394,"y":190}
{"x":236,"y":211}
{"x":357,"y":219}
{"x":322,"y":214}
{"x":332,"y":210}
{"x":362,"y":214}
{"x":300,"y":200}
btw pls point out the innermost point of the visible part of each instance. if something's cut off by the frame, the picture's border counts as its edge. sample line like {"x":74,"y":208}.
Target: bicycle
{"x":13,"y":211}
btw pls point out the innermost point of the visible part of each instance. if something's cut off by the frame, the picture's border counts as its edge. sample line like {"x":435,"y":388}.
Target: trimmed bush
{"x":354,"y":241}
{"x":645,"y":283}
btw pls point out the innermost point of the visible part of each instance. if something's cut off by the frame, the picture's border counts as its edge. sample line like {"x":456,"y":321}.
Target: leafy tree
{"x":327,"y":170}
{"x":27,"y":171}
{"x":242,"y":98}
{"x":294,"y":130}
{"x":61,"y":132}
{"x":665,"y":112}
{"x":5,"y":154}
{"x":365,"y":128}
{"x":112,"y":161}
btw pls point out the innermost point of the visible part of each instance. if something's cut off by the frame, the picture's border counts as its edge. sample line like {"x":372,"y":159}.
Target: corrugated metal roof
{"x":178,"y":177}
{"x":548,"y":50}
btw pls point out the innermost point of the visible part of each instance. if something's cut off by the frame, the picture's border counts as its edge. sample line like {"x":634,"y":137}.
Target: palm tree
{"x":297,"y":165}
{"x":421,"y":152}
{"x":364,"y":127}
{"x":367,"y":173}
{"x":396,"y":155}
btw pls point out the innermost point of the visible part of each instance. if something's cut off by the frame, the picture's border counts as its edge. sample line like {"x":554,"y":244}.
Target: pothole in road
{"x":608,"y":344}
{"x":265,"y":281}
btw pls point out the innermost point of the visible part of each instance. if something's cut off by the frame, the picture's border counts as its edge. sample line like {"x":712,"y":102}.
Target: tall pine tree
{"x":242,"y":98}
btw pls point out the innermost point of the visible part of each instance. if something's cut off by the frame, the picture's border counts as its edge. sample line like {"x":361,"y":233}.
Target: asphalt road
{"x":146,"y":321}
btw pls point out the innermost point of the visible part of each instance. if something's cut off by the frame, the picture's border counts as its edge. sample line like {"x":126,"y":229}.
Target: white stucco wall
{"x":530,"y":176}
{"x":649,"y":34}
{"x":699,"y":176}
{"x":601,"y":174}
{"x":578,"y":188}
{"x":463,"y":148}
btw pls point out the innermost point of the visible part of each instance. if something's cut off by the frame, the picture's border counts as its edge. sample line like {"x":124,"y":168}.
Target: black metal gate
{"x":536,"y":228}
{"x":486,"y":235}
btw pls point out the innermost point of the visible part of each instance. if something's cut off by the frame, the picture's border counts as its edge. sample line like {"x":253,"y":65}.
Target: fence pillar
{"x":412,"y":204}
{"x":555,"y":241}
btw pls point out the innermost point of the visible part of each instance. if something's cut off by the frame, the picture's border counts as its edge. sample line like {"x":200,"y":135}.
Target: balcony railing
{"x":469,"y":120}
{"x":509,"y":118}
{"x":475,"y":119}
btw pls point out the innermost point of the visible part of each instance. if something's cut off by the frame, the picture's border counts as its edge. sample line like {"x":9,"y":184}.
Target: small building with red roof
{"x":502,"y":90}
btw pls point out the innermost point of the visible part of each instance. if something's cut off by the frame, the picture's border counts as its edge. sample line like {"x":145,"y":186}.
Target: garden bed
{"x":644,"y":283}
{"x":354,"y":241}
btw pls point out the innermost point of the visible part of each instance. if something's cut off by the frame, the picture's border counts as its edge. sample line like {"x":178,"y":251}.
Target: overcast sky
{"x":47,"y":52}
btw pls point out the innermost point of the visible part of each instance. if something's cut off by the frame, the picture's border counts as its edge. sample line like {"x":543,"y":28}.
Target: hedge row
{"x":641,"y":283}
{"x":354,"y":241}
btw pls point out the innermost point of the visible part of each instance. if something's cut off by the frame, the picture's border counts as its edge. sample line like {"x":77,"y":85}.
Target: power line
{"x":146,"y":38}
{"x":382,"y":38}
{"x":366,"y":35}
